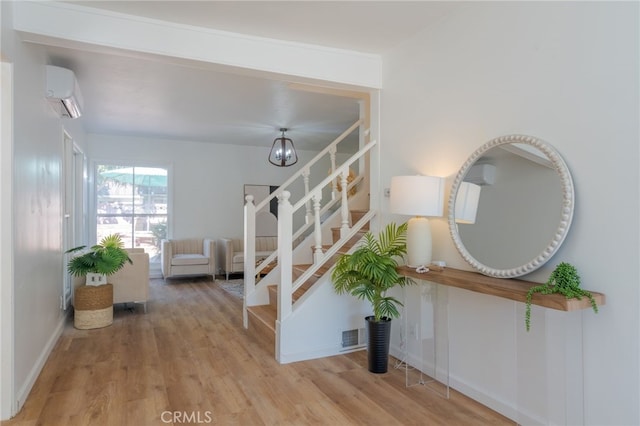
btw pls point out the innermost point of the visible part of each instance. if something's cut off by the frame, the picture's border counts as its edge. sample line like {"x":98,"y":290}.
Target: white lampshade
{"x":418,"y":196}
{"x":467,"y":199}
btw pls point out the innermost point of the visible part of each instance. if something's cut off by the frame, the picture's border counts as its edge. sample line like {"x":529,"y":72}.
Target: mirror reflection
{"x":507,"y":215}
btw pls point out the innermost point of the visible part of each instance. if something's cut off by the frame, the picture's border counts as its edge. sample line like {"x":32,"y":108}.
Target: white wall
{"x":568,"y":74}
{"x":6,"y":213}
{"x":37,"y":218}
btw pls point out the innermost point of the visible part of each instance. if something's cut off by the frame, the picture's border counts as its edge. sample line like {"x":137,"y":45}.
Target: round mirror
{"x":511,"y":206}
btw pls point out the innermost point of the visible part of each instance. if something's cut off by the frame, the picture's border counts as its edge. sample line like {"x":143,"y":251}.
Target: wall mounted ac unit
{"x":481,"y":174}
{"x":63,"y":92}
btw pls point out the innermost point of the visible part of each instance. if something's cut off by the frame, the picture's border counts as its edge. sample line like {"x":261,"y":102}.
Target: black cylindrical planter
{"x":378,"y":344}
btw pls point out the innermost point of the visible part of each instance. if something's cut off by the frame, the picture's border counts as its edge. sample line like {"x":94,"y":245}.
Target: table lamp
{"x":418,"y":196}
{"x":466,"y":206}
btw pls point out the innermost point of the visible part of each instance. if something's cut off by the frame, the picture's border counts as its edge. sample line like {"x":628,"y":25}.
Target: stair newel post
{"x":249,"y":254}
{"x":317,"y":228}
{"x":332,"y":155}
{"x":344,"y":212}
{"x":305,"y":177}
{"x":285,"y":254}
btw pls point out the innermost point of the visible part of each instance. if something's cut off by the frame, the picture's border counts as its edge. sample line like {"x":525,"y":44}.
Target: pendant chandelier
{"x":283,"y":154}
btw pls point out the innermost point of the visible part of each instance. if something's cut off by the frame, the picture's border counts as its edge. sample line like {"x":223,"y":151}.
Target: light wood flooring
{"x":190,"y":358}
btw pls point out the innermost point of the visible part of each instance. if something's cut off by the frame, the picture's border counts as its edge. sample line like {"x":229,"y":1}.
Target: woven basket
{"x":85,"y":320}
{"x":93,"y":306}
{"x":89,"y":298}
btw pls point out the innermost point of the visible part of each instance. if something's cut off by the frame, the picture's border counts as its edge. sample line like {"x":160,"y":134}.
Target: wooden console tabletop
{"x":513,"y":289}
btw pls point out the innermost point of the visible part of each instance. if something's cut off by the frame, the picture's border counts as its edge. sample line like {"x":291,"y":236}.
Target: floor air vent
{"x":355,"y":337}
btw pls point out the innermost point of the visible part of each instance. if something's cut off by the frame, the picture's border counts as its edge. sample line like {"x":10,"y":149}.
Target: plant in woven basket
{"x":564,"y":280}
{"x":105,"y":258}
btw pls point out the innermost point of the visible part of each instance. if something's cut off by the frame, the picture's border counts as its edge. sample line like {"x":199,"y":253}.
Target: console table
{"x":554,"y":346}
{"x":513,"y":289}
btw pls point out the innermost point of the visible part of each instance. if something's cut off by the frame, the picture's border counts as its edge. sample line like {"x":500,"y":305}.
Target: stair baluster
{"x":344,"y":229}
{"x":317,"y":228}
{"x":249,"y":254}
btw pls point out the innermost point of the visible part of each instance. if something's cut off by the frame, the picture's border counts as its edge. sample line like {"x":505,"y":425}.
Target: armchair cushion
{"x":189,"y":259}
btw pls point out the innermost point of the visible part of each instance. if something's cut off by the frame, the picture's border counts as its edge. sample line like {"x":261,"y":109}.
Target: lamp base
{"x":418,"y":242}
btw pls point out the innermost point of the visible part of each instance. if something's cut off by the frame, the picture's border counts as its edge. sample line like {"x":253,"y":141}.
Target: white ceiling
{"x":143,"y":96}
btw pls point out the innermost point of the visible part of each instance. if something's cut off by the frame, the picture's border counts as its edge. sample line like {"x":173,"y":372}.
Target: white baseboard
{"x":26,"y":387}
{"x":494,"y":402}
{"x":321,"y":353}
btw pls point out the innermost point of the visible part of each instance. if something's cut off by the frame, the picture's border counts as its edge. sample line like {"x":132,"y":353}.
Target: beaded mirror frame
{"x":566,"y":208}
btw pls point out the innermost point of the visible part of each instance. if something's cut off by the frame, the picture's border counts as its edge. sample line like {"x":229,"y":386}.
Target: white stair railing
{"x":285,"y":217}
{"x":251,"y":270}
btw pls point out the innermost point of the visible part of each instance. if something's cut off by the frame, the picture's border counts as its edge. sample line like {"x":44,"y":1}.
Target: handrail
{"x":299,"y":173}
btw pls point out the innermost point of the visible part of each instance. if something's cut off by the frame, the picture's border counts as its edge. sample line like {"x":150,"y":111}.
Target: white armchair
{"x":188,"y":257}
{"x":233,"y":252}
{"x":131,"y":283}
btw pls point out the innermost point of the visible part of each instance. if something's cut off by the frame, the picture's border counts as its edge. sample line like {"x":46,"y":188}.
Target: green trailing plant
{"x":106,"y":258}
{"x":371,"y":270}
{"x":564,"y":280}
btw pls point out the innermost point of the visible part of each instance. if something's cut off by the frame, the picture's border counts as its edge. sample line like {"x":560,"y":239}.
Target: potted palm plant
{"x":368,"y":273}
{"x":101,"y":260}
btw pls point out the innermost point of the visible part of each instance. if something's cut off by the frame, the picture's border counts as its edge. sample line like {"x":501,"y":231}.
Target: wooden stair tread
{"x":295,"y":296}
{"x":266,"y":314}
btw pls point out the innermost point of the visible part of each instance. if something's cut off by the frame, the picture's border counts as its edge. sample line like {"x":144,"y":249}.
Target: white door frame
{"x":8,"y":403}
{"x":72,"y":207}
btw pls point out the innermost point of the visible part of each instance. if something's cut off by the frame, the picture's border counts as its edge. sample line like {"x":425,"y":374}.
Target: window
{"x":132,"y":201}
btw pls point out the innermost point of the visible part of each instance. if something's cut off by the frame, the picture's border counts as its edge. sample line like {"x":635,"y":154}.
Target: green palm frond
{"x":371,"y":270}
{"x":106,"y":258}
{"x":112,"y":241}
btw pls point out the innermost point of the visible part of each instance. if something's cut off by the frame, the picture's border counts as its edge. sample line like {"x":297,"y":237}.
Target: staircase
{"x":295,"y":303}
{"x":266,"y":315}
